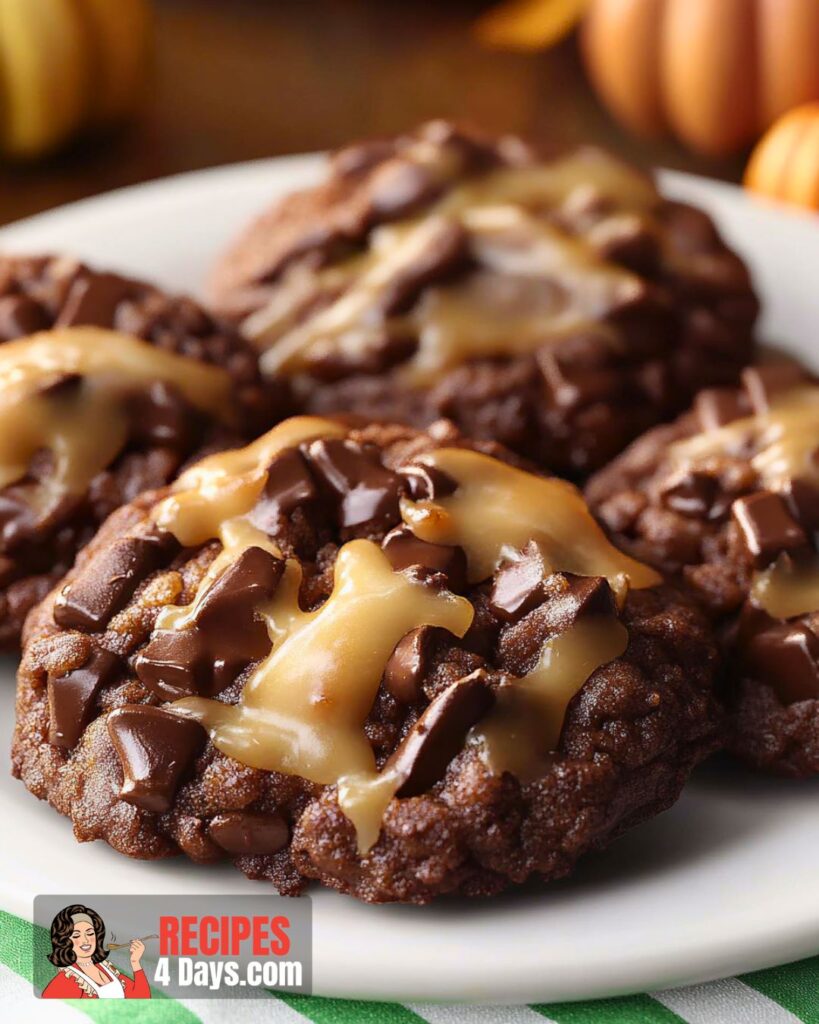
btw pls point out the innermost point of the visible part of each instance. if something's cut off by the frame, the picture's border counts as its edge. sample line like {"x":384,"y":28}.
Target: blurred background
{"x":230,"y":80}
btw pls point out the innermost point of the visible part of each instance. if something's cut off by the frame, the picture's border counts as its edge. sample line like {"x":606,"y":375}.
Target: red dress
{"x":67,"y":985}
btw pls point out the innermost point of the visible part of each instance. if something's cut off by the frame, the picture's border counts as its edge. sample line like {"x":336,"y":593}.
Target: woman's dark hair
{"x":62,"y":951}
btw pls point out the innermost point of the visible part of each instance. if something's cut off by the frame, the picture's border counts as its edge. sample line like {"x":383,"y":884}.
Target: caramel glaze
{"x":784,"y":442}
{"x":64,"y":390}
{"x":503,"y":218}
{"x":303,"y":708}
{"x":496,"y":509}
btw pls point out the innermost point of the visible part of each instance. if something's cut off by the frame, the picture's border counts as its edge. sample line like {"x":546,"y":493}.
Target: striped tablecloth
{"x":781,"y":995}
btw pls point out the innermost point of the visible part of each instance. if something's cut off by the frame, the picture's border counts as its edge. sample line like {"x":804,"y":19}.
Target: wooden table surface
{"x":239,"y":79}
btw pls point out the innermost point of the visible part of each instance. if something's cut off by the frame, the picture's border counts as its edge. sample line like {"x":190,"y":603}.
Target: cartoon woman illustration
{"x":78,"y":950}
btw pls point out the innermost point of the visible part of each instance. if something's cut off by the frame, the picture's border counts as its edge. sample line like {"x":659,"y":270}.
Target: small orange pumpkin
{"x":785,"y":163}
{"x":714,"y":72}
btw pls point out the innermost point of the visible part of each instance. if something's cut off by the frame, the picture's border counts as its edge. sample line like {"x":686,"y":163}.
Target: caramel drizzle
{"x":87,"y":426}
{"x":504,"y":214}
{"x":212,"y":499}
{"x":227,"y":485}
{"x":497,"y":509}
{"x":525,"y":724}
{"x":785,"y":448}
{"x":787,"y":588}
{"x":303,"y":708}
{"x":302,"y":711}
{"x":783,"y":439}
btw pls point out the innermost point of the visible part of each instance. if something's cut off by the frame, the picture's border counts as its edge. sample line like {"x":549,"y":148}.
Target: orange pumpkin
{"x":714,"y":72}
{"x":785,"y":163}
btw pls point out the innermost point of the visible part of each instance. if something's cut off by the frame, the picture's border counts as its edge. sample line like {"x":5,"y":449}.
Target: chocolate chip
{"x":628,"y":240}
{"x":20,"y":315}
{"x":802,"y":497}
{"x":247,"y":832}
{"x":427,"y":483}
{"x":691,"y":493}
{"x":577,"y":596}
{"x":226,"y":636}
{"x":426,"y":751}
{"x":92,"y":301}
{"x":407,"y":666}
{"x":61,"y":385}
{"x":368,"y":492}
{"x":109,"y":580}
{"x":156,"y":749}
{"x":289,"y":485}
{"x":519,"y":584}
{"x":353,"y":160}
{"x":763,"y":382}
{"x":445,"y":252}
{"x":404,"y":549}
{"x":581,"y":371}
{"x":767,"y":527}
{"x":71,"y":698}
{"x":227,"y":606}
{"x":715,"y":407}
{"x":161,"y":416}
{"x":399,"y":187}
{"x":785,"y":656}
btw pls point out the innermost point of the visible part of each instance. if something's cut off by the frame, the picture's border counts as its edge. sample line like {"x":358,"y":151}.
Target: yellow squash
{"x":66,"y":65}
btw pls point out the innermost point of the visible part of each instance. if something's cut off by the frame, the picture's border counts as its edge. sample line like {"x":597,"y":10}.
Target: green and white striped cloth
{"x":781,"y":995}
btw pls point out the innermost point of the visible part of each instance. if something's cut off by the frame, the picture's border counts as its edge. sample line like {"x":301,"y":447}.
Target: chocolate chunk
{"x":20,"y":315}
{"x":404,"y":549}
{"x":427,"y":483}
{"x":802,"y":497}
{"x":109,"y":580}
{"x":445,"y":252}
{"x":767,"y":527}
{"x":177,"y":663}
{"x":61,"y":385}
{"x":92,"y":301}
{"x":581,"y":595}
{"x":519,"y":584}
{"x":581,"y":371}
{"x":226,"y":636}
{"x":22,"y":521}
{"x":71,"y":697}
{"x":156,"y":749}
{"x":289,"y":485}
{"x":691,"y":493}
{"x":353,"y":160}
{"x":245,"y":832}
{"x":405,"y":671}
{"x":785,"y":655}
{"x":368,"y":492}
{"x":439,"y":734}
{"x":763,"y":382}
{"x":161,"y":416}
{"x":627,"y":239}
{"x":229,"y":603}
{"x":398,"y":188}
{"x":715,"y":407}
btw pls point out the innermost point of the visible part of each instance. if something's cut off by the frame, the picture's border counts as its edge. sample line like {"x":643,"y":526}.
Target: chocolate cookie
{"x":728,"y":499}
{"x":392,"y":661}
{"x":560,"y":308}
{"x":89,"y":416}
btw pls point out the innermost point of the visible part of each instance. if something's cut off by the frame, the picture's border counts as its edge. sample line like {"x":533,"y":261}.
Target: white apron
{"x":110,"y":990}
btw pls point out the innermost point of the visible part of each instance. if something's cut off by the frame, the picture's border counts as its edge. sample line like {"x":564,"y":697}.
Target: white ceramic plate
{"x":724,"y":882}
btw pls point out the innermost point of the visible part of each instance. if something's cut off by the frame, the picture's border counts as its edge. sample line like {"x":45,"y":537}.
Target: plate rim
{"x":518,"y":986}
